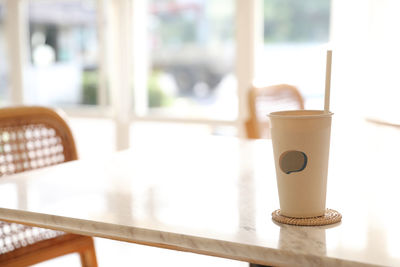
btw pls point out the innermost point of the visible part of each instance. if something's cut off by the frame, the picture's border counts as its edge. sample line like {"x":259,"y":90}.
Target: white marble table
{"x":214,"y":196}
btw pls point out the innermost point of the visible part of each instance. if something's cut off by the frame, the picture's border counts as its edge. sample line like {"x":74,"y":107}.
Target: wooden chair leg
{"x":50,"y":249}
{"x":88,"y":256}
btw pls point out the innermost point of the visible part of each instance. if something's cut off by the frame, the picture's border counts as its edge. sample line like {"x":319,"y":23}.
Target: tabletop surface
{"x":215,"y":196}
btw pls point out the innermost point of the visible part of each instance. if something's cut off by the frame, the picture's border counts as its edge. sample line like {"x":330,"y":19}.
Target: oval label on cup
{"x":292,"y":161}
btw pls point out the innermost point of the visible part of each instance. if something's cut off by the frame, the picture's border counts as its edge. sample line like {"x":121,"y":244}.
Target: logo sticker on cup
{"x":292,"y":161}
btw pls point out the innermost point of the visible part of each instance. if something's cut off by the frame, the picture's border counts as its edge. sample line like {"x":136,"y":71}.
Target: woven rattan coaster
{"x":330,"y":217}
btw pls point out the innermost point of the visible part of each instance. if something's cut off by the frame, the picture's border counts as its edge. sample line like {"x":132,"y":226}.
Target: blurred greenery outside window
{"x":184,"y":37}
{"x":294,"y":21}
{"x":295,"y":37}
{"x":284,"y":21}
{"x":66,"y":45}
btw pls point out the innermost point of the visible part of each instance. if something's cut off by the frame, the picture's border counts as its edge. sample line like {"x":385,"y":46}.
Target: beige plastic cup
{"x":301,"y":140}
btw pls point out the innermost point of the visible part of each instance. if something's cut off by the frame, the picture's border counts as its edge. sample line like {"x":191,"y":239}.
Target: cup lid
{"x":298,"y":114}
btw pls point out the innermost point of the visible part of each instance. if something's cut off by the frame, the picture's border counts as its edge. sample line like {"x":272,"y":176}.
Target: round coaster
{"x":330,"y":217}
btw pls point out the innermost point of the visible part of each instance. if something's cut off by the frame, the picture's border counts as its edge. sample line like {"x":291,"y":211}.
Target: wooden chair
{"x":264,"y":100}
{"x":31,"y":138}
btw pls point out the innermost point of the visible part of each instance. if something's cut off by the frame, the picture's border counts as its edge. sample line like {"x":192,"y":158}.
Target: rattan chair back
{"x":32,"y":138}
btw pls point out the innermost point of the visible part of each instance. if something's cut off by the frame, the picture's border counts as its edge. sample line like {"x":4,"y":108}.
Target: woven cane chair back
{"x":32,"y":138}
{"x":264,"y":100}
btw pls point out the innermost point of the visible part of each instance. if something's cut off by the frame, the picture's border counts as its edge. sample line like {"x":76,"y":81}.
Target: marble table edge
{"x":170,"y":240}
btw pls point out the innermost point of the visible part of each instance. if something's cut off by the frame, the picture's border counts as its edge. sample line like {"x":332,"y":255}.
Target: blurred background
{"x":179,"y":61}
{"x":182,"y":68}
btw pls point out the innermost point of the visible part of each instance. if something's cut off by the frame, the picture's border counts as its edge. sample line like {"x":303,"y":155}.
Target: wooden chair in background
{"x":268,"y":99}
{"x":32,"y":138}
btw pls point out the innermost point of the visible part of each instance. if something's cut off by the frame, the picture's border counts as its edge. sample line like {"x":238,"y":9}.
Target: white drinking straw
{"x":328,"y":80}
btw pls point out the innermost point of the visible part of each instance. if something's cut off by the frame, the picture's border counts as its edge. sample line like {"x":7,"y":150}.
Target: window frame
{"x":115,"y":18}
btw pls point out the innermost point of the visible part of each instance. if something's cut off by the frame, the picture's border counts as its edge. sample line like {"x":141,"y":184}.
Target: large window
{"x":63,"y":53}
{"x":295,"y":35}
{"x":192,"y":59}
